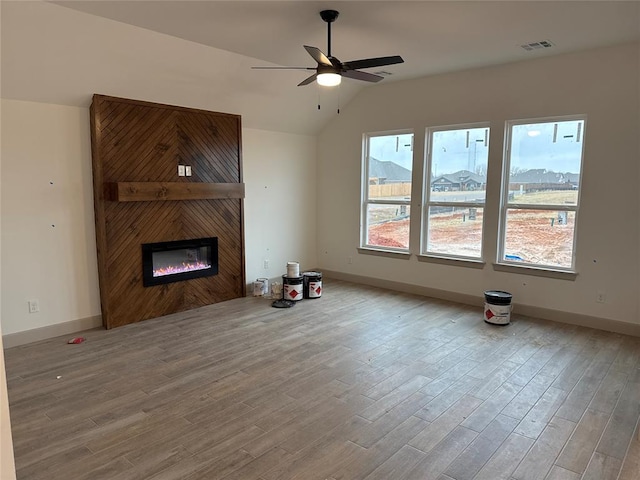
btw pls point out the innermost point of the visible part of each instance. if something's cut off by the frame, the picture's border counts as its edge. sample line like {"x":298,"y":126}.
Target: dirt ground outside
{"x":533,"y":236}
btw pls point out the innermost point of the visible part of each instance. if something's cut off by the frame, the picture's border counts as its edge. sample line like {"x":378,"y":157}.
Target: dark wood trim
{"x":241,"y":180}
{"x":98,"y":201}
{"x":152,"y":191}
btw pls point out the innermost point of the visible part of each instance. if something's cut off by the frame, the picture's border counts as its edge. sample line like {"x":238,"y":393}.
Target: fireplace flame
{"x":185,"y":267}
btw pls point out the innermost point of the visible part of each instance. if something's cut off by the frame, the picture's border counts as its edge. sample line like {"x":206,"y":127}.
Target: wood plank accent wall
{"x":139,"y":198}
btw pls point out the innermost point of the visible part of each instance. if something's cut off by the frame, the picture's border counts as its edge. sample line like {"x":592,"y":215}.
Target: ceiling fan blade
{"x":318,"y":56}
{"x":308,"y":80}
{"x":358,"y":75}
{"x":372,"y":62}
{"x":282,"y":68}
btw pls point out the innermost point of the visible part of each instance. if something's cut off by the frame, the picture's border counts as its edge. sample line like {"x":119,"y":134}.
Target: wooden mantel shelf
{"x":152,"y":191}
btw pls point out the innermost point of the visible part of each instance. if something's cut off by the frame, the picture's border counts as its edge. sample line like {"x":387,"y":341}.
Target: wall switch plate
{"x":181,"y":170}
{"x":187,"y":170}
{"x":266,"y":264}
{"x":601,"y":297}
{"x":34,"y":306}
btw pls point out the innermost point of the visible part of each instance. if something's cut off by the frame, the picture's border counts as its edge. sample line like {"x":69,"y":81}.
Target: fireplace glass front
{"x":167,"y":262}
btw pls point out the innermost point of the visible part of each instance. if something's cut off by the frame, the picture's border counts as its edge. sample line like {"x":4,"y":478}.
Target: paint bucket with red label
{"x":312,"y":284}
{"x":292,"y":288}
{"x":497,"y":307}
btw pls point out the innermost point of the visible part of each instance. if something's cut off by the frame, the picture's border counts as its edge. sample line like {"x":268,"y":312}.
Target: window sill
{"x":456,"y":262}
{"x":384,"y":253}
{"x":539,"y":272}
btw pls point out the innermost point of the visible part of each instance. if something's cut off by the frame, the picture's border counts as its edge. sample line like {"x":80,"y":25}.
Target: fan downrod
{"x":329,"y":16}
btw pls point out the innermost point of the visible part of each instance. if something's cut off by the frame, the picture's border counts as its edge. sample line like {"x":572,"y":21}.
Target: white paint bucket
{"x":497,"y":307}
{"x":293,"y":269}
{"x":260,"y":287}
{"x":265,"y":285}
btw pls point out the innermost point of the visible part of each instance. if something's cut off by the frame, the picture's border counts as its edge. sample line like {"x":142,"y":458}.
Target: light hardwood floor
{"x":362,"y":383}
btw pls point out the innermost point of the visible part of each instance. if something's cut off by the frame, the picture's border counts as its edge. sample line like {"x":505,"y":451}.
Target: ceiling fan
{"x":330,"y":70}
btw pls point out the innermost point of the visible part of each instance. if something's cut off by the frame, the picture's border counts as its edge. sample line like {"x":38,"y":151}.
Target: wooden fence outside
{"x":390,"y":190}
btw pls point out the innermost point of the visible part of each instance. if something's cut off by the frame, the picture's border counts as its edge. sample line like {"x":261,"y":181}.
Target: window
{"x":386,"y":190}
{"x":541,"y":193}
{"x":454,"y":191}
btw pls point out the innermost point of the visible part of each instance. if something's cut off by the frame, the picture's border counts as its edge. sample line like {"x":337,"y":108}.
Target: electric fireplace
{"x":167,"y":262}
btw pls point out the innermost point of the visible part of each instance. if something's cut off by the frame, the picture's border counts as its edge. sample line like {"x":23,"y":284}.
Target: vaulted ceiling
{"x":199,"y":53}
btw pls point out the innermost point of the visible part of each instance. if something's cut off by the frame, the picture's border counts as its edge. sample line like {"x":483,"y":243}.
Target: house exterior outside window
{"x":386,"y":190}
{"x":541,"y":192}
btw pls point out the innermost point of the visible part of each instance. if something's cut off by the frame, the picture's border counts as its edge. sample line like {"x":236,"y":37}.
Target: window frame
{"x":426,"y":195}
{"x":364,"y":194}
{"x":505,"y":206}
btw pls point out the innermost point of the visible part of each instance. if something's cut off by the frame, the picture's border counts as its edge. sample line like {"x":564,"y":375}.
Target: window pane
{"x":455,"y":231}
{"x":388,"y":226}
{"x":459,"y":164}
{"x":389,"y":165}
{"x":545,"y":162}
{"x":541,"y":237}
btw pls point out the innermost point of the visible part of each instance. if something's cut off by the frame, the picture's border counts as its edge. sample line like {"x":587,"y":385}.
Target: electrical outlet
{"x":601,"y":297}
{"x":349,"y":260}
{"x":266,"y":264}
{"x":34,"y":306}
{"x":181,"y":170}
{"x":187,"y":170}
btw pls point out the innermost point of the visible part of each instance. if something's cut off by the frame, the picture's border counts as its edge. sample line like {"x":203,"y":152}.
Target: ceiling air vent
{"x":537,"y":45}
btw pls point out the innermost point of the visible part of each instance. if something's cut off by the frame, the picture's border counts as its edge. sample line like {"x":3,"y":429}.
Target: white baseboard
{"x":607,"y":324}
{"x":406,"y":288}
{"x":50,"y":331}
{"x":74,"y":326}
{"x":616,"y":326}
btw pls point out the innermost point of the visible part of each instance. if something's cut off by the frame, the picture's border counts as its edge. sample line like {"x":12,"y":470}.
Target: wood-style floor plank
{"x":361,"y":384}
{"x":537,"y":463}
{"x":578,"y":450}
{"x":506,"y":459}
{"x":631,"y":465}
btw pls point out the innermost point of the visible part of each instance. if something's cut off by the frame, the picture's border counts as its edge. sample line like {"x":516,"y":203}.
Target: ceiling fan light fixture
{"x":329,"y":79}
{"x":329,"y":70}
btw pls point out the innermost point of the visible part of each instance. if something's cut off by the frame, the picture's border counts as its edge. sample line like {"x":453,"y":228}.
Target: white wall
{"x":48,"y":239}
{"x":46,"y":143}
{"x":603,"y":84}
{"x":280,"y":206}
